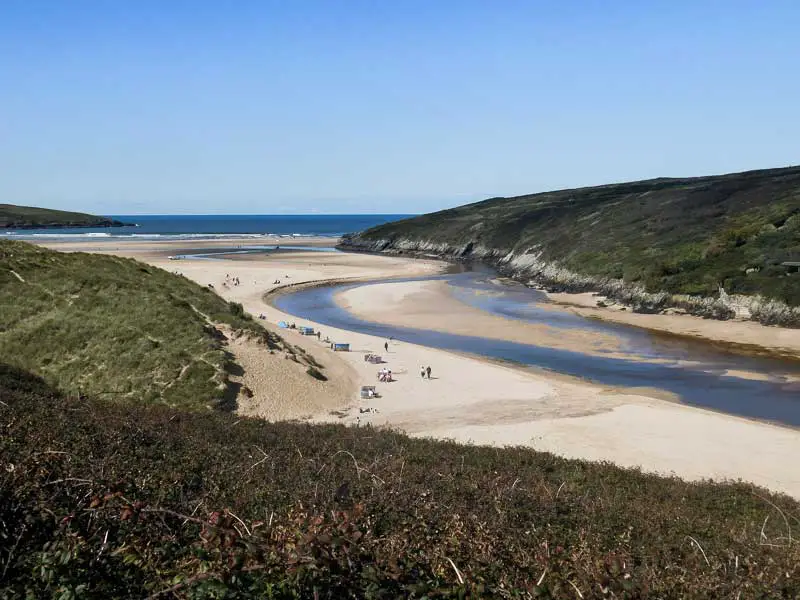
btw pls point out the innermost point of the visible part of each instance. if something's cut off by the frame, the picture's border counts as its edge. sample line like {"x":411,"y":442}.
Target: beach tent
{"x":283,"y":324}
{"x":306,"y":330}
{"x":341,"y":347}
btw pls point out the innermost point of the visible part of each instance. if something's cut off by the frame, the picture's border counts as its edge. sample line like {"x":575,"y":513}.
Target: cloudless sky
{"x":349,"y":106}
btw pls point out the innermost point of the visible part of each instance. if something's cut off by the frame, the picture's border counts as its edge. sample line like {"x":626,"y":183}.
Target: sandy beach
{"x":153,"y":248}
{"x":469,"y":399}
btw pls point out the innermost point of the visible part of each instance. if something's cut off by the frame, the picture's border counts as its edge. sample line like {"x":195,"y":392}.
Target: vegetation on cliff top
{"x":114,"y":327}
{"x":123,"y":500}
{"x":681,"y":236}
{"x":29,"y":217}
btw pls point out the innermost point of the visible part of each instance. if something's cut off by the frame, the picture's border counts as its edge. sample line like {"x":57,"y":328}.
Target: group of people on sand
{"x":232,"y":280}
{"x":385,"y":375}
{"x":423,"y":371}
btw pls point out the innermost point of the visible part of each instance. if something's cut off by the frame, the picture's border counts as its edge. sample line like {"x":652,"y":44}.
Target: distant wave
{"x":164,"y":236}
{"x":58,"y":235}
{"x":264,"y":228}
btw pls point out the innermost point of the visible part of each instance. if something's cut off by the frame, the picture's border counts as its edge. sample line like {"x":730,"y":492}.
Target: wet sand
{"x":748,"y":336}
{"x":152,"y":249}
{"x":429,"y":305}
{"x":473,"y":400}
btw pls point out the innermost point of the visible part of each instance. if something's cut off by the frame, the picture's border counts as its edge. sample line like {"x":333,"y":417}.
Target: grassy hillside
{"x":681,"y":236}
{"x":114,"y":500}
{"x":114,"y":327}
{"x":29,"y":217}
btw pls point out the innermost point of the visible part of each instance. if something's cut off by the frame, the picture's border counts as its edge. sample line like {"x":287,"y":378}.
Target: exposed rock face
{"x":530,"y":268}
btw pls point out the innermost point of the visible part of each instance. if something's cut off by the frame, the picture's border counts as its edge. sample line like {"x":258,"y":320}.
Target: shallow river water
{"x":693,"y":370}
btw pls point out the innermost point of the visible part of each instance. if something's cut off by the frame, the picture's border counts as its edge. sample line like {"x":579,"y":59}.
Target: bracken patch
{"x":114,"y":500}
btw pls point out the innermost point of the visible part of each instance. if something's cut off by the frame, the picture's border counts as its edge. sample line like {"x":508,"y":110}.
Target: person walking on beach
{"x":422,"y":372}
{"x":386,"y":346}
{"x":428,"y":371}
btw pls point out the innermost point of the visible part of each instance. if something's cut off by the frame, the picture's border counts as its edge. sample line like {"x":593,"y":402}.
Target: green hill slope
{"x":115,"y":327}
{"x":680,"y":236}
{"x":122,"y":500}
{"x":29,"y":217}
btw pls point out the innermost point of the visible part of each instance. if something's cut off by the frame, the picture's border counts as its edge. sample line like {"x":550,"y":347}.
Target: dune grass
{"x":114,"y":327}
{"x":123,"y":500}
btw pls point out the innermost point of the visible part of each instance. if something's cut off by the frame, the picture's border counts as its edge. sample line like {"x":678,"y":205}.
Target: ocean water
{"x":213,"y":226}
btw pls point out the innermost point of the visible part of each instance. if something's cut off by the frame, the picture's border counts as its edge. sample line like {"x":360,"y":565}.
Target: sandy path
{"x":469,"y":399}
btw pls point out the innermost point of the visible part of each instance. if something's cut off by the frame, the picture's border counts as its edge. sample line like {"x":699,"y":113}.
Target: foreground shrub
{"x":108,"y":500}
{"x":772,"y":312}
{"x":237,"y":310}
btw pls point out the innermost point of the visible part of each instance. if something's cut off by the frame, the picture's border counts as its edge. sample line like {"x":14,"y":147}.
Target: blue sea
{"x":212,"y":226}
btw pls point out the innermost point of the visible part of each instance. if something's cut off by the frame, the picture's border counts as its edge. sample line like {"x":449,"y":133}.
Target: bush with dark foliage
{"x":111,"y":500}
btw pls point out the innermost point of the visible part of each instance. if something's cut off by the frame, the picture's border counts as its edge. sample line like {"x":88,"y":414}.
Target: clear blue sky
{"x":292,"y":106}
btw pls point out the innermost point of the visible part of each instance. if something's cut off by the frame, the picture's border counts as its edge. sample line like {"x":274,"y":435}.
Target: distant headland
{"x":29,"y":217}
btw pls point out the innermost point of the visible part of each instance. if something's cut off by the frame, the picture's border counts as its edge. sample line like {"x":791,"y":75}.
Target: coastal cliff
{"x":717,"y":246}
{"x":30,"y":217}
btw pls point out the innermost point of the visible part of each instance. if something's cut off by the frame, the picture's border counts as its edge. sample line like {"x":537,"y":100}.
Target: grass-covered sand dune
{"x":117,"y":328}
{"x":13,"y":216}
{"x":662,"y":236}
{"x":125,"y":500}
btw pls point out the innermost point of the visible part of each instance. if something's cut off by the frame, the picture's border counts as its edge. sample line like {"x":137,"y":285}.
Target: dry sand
{"x":469,"y":399}
{"x":281,"y":388}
